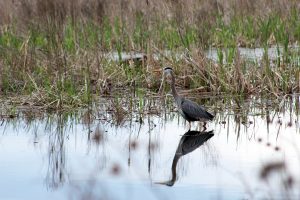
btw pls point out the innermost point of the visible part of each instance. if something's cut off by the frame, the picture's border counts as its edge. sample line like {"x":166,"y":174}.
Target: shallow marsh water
{"x":273,"y":53}
{"x":107,"y":155}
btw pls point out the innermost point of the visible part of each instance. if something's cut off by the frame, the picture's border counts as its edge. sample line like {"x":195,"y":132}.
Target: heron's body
{"x":192,"y":112}
{"x":189,"y":110}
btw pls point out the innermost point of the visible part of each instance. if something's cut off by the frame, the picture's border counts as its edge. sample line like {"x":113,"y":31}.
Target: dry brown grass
{"x":188,"y":11}
{"x":54,"y":51}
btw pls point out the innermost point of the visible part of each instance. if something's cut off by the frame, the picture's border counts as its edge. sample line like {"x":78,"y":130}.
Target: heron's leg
{"x":199,"y":126}
{"x":204,"y":126}
{"x":189,"y":126}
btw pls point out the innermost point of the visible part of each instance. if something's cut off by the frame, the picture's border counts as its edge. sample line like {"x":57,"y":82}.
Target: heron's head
{"x":168,"y":73}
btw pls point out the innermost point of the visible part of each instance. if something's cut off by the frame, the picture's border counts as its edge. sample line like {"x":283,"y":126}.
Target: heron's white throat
{"x":169,"y":78}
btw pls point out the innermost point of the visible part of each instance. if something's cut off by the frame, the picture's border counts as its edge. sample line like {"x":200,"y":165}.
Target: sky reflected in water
{"x":65,"y":157}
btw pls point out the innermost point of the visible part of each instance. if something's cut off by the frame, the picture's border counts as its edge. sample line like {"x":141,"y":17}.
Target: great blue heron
{"x":189,"y":110}
{"x":190,"y":141}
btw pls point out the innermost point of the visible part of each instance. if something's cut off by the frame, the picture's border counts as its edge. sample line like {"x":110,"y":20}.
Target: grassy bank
{"x":54,"y":52}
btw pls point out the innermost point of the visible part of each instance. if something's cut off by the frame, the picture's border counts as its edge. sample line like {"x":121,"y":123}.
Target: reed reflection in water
{"x":95,"y":146}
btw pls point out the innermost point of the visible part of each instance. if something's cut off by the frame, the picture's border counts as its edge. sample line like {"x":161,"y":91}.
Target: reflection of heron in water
{"x":189,"y":110}
{"x":190,"y":141}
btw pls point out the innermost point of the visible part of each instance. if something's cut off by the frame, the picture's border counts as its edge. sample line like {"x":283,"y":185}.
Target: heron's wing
{"x":194,"y":111}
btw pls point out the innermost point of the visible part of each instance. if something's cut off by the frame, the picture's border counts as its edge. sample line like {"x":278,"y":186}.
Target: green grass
{"x":62,"y":63}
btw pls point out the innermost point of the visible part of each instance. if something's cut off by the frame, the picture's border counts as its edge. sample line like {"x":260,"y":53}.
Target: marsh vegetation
{"x":54,"y":54}
{"x":80,"y":111}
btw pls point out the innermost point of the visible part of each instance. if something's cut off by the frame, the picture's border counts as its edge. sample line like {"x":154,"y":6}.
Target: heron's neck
{"x":174,"y":91}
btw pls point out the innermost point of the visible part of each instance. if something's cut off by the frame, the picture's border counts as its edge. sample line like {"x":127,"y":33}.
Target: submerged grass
{"x":55,"y":53}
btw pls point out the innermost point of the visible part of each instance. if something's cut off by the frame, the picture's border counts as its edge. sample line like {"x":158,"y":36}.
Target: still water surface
{"x":72,"y":157}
